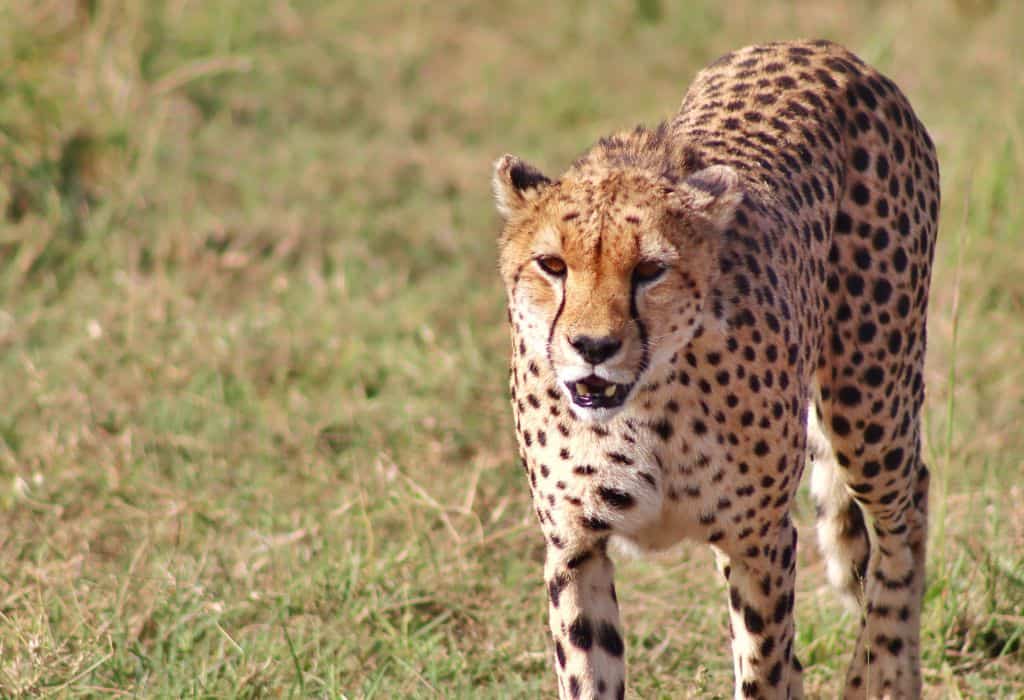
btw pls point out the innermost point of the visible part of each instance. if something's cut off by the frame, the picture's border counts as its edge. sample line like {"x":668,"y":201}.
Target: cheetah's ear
{"x":712,"y":193}
{"x":515,"y":184}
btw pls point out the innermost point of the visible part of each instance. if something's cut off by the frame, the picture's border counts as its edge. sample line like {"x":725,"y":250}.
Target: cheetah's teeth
{"x":610,"y":391}
{"x":582,"y":389}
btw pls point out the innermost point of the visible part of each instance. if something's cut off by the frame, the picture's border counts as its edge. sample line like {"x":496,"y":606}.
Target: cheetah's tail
{"x":842,"y":532}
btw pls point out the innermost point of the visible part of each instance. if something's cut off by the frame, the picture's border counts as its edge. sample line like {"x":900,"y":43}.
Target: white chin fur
{"x":595,"y":415}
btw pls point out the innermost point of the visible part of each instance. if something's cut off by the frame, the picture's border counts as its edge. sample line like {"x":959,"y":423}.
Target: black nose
{"x":595,"y":350}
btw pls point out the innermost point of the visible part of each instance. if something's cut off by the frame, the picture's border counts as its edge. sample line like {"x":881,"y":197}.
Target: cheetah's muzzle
{"x":594,"y":392}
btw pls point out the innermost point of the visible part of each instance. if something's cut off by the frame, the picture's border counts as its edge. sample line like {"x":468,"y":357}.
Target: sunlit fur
{"x":752,"y":277}
{"x":603,"y":223}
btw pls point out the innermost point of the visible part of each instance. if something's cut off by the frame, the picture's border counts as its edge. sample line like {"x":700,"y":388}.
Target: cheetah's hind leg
{"x":843,"y":536}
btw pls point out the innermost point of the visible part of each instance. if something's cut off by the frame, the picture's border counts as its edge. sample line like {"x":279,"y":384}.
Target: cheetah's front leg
{"x":584,"y":619}
{"x":761,"y":578}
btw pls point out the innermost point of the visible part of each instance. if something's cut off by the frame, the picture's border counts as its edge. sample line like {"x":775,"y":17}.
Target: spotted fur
{"x":699,"y":309}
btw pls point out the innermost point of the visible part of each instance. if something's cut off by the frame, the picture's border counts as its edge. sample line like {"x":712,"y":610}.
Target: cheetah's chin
{"x":594,"y":392}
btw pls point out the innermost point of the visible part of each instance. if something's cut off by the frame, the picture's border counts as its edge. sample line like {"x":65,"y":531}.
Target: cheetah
{"x":698,"y":310}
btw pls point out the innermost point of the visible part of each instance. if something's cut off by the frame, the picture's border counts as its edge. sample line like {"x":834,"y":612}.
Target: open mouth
{"x":594,"y":392}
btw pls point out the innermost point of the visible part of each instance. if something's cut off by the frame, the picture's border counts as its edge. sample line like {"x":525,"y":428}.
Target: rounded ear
{"x":516,"y":183}
{"x":712,"y":193}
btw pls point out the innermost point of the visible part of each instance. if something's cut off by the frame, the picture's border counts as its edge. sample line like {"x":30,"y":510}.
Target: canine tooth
{"x":610,"y":391}
{"x":581,"y":388}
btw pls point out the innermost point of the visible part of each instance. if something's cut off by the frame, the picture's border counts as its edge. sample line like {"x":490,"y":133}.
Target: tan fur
{"x":758,"y":261}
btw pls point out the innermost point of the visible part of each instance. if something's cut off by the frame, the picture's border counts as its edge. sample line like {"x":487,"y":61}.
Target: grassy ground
{"x":255,"y":437}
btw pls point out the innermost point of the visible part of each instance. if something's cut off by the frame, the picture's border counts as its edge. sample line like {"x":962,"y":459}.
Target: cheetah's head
{"x":607,"y":270}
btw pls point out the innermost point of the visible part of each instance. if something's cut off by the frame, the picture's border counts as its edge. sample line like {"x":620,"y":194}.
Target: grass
{"x":255,"y":437}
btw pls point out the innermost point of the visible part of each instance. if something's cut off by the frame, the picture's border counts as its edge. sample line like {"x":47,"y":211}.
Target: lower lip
{"x":598,"y":400}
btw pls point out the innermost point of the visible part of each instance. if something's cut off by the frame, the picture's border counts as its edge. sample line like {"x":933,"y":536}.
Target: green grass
{"x":255,"y":437}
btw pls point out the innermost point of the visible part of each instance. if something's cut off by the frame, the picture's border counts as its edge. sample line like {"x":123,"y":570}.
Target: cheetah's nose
{"x":595,"y":350}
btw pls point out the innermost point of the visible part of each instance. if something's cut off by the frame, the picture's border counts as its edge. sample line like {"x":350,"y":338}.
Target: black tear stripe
{"x":554,"y":322}
{"x":634,"y":313}
{"x":558,"y":314}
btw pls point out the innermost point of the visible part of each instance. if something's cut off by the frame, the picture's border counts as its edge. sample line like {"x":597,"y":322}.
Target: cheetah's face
{"x":607,"y":275}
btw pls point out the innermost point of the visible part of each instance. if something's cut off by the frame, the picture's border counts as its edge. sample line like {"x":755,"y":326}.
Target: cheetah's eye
{"x":648,"y":271}
{"x":552,"y":265}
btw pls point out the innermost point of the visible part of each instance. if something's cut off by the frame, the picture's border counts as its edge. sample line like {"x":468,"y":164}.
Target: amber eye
{"x":552,"y":265}
{"x":648,"y":271}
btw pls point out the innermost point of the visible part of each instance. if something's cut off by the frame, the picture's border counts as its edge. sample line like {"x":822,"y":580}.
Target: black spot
{"x":699,"y":427}
{"x":893,"y":459}
{"x":594,"y":523}
{"x":849,"y":395}
{"x":753,"y":620}
{"x":895,"y":646}
{"x":844,"y":224}
{"x":840,"y":426}
{"x":749,"y":689}
{"x":574,"y":687}
{"x":860,"y":159}
{"x":865,"y":93}
{"x":615,"y":498}
{"x":874,"y":375}
{"x":903,"y":224}
{"x":883,"y":290}
{"x":781,"y":609}
{"x":609,"y":639}
{"x":854,"y":284}
{"x":555,"y":587}
{"x":899,"y":260}
{"x":761,"y":448}
{"x":866,"y":332}
{"x":620,"y":458}
{"x":863,"y":121}
{"x":903,"y":306}
{"x":579,"y":560}
{"x":581,"y":634}
{"x":882,"y":167}
{"x":663,"y":428}
{"x":861,"y":194}
{"x":895,"y":342}
{"x":560,"y":654}
{"x":775,"y":675}
{"x":873,"y":433}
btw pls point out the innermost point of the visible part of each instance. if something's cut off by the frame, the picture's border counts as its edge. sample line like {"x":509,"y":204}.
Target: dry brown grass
{"x":255,"y":438}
